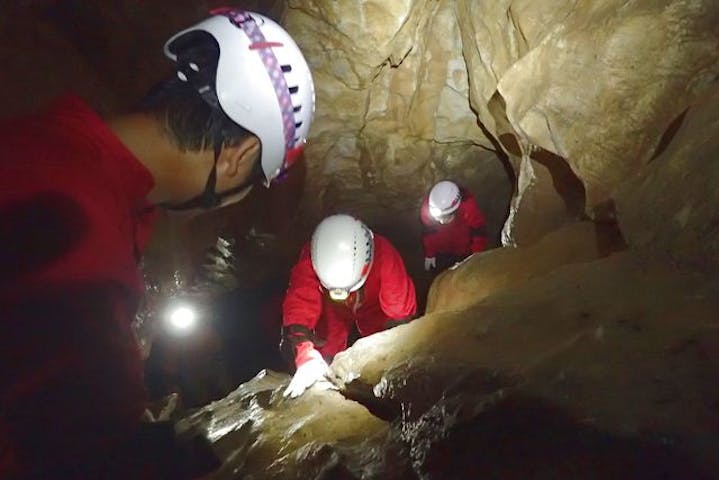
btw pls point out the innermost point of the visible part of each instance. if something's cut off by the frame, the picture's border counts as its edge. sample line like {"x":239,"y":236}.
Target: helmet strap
{"x":210,"y":198}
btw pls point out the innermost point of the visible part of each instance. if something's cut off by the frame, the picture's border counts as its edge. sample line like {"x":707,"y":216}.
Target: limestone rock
{"x":393,"y":114}
{"x":619,"y":348}
{"x":482,"y":275}
{"x":607,"y":79}
{"x":671,"y":205}
{"x":260,"y":434}
{"x":593,"y":369}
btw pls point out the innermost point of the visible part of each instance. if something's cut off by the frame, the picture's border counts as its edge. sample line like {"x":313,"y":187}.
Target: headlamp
{"x":181,"y":319}
{"x":435,"y":212}
{"x":441,"y":217}
{"x":339,"y":294}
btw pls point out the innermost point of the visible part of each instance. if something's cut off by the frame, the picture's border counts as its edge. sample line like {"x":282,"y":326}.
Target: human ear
{"x":238,"y":159}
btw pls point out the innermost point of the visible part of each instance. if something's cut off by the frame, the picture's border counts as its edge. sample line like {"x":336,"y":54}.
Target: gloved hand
{"x":430,"y":262}
{"x":311,"y":369}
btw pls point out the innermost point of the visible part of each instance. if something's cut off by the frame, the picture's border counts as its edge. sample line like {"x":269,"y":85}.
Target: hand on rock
{"x":312,"y":371}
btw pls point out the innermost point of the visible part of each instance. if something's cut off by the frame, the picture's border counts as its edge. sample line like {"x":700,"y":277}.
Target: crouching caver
{"x":346,"y":278}
{"x":453,"y":226}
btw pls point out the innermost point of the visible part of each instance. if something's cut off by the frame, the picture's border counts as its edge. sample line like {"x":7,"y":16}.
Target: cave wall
{"x":595,"y":84}
{"x":670,"y":206}
{"x":393,"y":117}
{"x":562,"y":94}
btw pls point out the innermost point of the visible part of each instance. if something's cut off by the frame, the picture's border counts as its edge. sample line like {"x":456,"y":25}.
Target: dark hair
{"x":190,"y":120}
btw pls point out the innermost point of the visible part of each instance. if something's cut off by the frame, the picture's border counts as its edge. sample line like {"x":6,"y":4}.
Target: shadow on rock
{"x":522,"y":437}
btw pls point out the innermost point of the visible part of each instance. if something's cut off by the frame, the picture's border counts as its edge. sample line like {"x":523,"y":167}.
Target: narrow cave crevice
{"x":609,"y":235}
{"x":363,"y":393}
{"x":496,"y":107}
{"x":668,"y":135}
{"x":566,"y":183}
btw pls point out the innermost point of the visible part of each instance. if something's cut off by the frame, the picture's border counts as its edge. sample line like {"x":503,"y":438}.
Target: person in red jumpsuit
{"x":77,"y":198}
{"x":453,"y":226}
{"x":346,"y":277}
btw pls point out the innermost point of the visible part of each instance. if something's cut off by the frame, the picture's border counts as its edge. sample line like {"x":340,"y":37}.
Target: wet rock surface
{"x":260,"y":434}
{"x":595,"y":369}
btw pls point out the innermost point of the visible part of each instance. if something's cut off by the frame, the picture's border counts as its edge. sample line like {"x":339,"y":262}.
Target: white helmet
{"x":262,"y":83}
{"x":444,"y":200}
{"x":342,"y":254}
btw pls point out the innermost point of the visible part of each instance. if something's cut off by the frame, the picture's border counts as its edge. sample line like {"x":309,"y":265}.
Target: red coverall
{"x":388,"y":294}
{"x":464,"y":235}
{"x":74,"y":219}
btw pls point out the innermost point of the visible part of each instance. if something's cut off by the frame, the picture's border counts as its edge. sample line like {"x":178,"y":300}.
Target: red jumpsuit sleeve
{"x":431,"y":239}
{"x":72,"y":379}
{"x":73,"y":362}
{"x":474,"y":218}
{"x":303,"y":300}
{"x":397,"y":296}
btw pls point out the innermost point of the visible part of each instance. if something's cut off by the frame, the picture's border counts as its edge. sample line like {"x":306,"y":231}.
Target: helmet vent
{"x":286,"y":70}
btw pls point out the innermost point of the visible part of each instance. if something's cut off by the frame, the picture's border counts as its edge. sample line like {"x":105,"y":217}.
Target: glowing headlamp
{"x":181,"y":319}
{"x":435,"y":212}
{"x":443,"y":218}
{"x":339,"y":294}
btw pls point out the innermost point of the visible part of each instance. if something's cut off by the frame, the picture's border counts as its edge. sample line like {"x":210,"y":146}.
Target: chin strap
{"x":209,"y":198}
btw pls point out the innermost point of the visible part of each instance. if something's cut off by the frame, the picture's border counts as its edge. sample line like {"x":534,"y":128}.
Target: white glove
{"x":313,"y":370}
{"x":430,"y":262}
